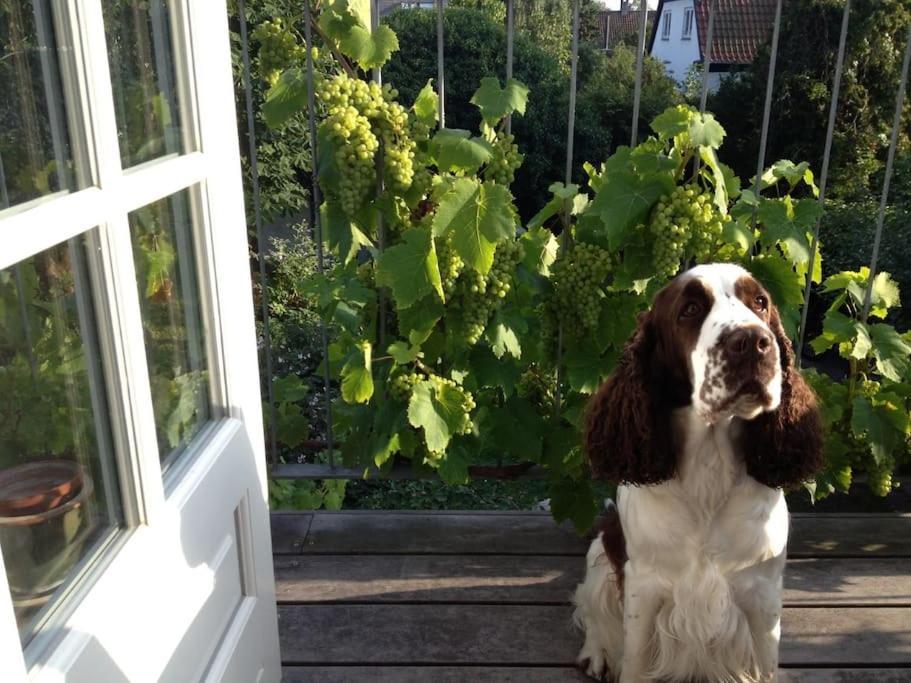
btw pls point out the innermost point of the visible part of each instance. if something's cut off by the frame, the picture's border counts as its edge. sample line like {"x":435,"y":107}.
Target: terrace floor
{"x":458,"y":596}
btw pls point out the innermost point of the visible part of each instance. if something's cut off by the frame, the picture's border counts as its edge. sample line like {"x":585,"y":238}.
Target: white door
{"x":133,"y":517}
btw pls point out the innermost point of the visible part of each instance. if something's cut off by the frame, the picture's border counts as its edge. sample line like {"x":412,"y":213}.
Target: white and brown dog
{"x":703,"y":422}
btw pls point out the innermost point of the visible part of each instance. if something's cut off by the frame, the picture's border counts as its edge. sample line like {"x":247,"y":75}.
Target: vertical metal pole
{"x":260,"y":240}
{"x":315,"y":201}
{"x":441,"y":83}
{"x":570,"y":135}
{"x":770,"y":84}
{"x":640,"y":58}
{"x":510,"y":36}
{"x":380,"y":186}
{"x":896,"y":123}
{"x":607,"y":32}
{"x":824,"y":172}
{"x":707,"y":60}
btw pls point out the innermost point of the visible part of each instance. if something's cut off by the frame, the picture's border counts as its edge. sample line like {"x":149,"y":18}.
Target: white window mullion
{"x":10,"y":645}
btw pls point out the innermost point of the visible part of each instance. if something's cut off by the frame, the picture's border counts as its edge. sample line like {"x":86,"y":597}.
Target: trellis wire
{"x":707,"y":60}
{"x":824,"y":172}
{"x":380,"y":186}
{"x":510,"y":31}
{"x":260,"y":240}
{"x":890,"y":159}
{"x":767,"y":107}
{"x":570,"y":135}
{"x":316,"y":223}
{"x":441,"y":83}
{"x":640,"y":58}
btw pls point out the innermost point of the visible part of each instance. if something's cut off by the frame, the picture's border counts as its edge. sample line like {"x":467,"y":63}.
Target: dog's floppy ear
{"x":783,"y":448}
{"x":627,"y":428}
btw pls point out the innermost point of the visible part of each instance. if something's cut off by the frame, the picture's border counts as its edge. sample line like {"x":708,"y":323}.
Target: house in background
{"x":679,"y":35}
{"x":617,"y":25}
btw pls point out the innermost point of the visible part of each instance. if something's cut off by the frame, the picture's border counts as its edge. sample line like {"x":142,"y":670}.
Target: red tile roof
{"x":741,"y":26}
{"x":621,"y":24}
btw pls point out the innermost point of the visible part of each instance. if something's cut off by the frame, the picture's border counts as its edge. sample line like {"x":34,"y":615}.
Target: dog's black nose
{"x":748,"y":342}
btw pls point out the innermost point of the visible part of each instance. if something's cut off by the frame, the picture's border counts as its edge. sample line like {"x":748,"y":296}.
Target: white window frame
{"x":666,"y":26}
{"x":688,"y":15}
{"x":100,"y":211}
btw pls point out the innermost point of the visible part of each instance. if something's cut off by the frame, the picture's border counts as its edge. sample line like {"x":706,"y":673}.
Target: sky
{"x":615,"y":4}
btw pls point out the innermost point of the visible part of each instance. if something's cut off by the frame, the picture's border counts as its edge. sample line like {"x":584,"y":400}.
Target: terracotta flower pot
{"x":43,"y":524}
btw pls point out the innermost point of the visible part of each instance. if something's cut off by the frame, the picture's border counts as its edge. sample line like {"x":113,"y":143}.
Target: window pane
{"x":59,"y":493}
{"x":162,"y":235}
{"x":35,"y":154}
{"x":144,"y":81}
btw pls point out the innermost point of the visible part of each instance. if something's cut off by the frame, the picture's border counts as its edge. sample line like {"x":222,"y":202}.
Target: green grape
{"x":879,"y":476}
{"x":365,"y":275}
{"x":685,"y":224}
{"x":477,"y":297}
{"x":505,"y":160}
{"x":278,"y":49}
{"x":538,"y":386}
{"x":869,"y":388}
{"x":401,"y":384}
{"x":578,"y":278}
{"x":451,"y":265}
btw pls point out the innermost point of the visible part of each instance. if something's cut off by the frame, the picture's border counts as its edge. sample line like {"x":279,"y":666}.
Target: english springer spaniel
{"x":703,"y":422}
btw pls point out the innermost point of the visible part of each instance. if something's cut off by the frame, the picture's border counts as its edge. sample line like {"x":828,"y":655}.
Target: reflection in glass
{"x":166,"y":271}
{"x":59,"y":494}
{"x":144,"y":80}
{"x":35,"y":151}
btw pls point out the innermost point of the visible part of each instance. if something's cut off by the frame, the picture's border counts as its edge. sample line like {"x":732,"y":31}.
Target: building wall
{"x":677,"y":53}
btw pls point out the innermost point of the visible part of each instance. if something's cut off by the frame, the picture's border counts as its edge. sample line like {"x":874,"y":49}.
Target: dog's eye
{"x":690,"y":310}
{"x":761,"y":303}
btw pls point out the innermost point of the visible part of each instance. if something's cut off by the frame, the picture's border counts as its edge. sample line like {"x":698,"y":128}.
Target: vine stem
{"x":339,"y":57}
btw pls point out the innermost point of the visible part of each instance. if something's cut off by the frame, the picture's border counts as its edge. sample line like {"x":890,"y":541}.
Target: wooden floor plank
{"x":289,"y":529}
{"x":535,"y":635}
{"x":549,"y":579}
{"x":493,"y":674}
{"x":536,"y":534}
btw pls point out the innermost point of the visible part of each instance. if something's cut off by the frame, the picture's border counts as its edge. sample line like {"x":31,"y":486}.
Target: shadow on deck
{"x":459,"y":596}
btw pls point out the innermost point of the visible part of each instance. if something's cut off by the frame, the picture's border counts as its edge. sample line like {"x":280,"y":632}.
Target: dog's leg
{"x":599,"y":613}
{"x":761,"y":604}
{"x":641,"y":602}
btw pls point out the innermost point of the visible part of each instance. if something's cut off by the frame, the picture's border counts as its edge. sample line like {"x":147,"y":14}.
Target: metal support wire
{"x":570,"y":135}
{"x":896,"y":123}
{"x":824,"y":173}
{"x":315,"y":222}
{"x":510,"y":36}
{"x":380,"y":187}
{"x":707,"y":60}
{"x":640,"y":58}
{"x":260,"y":239}
{"x":441,"y":84}
{"x":770,"y":85}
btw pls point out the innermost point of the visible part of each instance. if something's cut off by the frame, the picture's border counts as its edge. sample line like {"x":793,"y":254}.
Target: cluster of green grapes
{"x":466,"y":401}
{"x":577,"y":279}
{"x":505,"y":161}
{"x":402,"y":383}
{"x":451,"y":265}
{"x":685,"y":222}
{"x":879,"y":475}
{"x":477,"y":296}
{"x":359,"y":116}
{"x":278,"y":49}
{"x":538,"y":386}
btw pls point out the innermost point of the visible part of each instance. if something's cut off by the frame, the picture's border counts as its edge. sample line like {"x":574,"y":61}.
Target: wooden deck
{"x":423,"y":596}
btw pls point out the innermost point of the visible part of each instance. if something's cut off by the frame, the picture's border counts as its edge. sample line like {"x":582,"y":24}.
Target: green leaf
{"x":574,"y":500}
{"x":884,"y":296}
{"x":517,"y":429}
{"x":618,"y":318}
{"x":710,"y":159}
{"x":891,"y":351}
{"x":426,"y":105}
{"x":292,"y":429}
{"x":540,"y":249}
{"x":672,"y":122}
{"x":874,"y":424}
{"x":495,"y":102}
{"x":417,"y":322}
{"x":584,"y":369}
{"x":478,"y":216}
{"x":348,"y":23}
{"x":738,"y":234}
{"x":456,"y":150}
{"x":410,"y":268}
{"x":402,"y":353}
{"x":342,"y":235}
{"x":503,"y":338}
{"x":784,"y":284}
{"x":486,"y":370}
{"x":289,"y":389}
{"x":778,"y":227}
{"x":287,"y":97}
{"x":625,"y":200}
{"x":705,"y":131}
{"x":453,"y":469}
{"x":357,"y":375}
{"x":436,"y":410}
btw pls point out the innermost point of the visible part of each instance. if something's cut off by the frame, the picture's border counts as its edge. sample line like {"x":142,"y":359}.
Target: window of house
{"x":687,"y":23}
{"x":666,"y":26}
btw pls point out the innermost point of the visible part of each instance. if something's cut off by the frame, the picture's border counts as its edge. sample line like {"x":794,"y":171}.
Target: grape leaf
{"x":738,"y":234}
{"x":292,"y":428}
{"x":478,"y":216}
{"x":456,"y":150}
{"x":289,"y":389}
{"x":720,"y":197}
{"x":784,"y":284}
{"x":357,"y":375}
{"x":873,"y":424}
{"x":705,"y":131}
{"x":884,"y":296}
{"x":438,"y":413}
{"x":410,"y":268}
{"x":453,"y":469}
{"x":489,"y":371}
{"x":284,"y":99}
{"x":517,"y":429}
{"x":402,"y":353}
{"x":494,"y":102}
{"x":891,"y":351}
{"x":779,"y":227}
{"x":672,"y":122}
{"x":574,"y":500}
{"x":426,"y":105}
{"x":342,"y":234}
{"x":583,"y":369}
{"x":624,"y":201}
{"x":503,"y":338}
{"x":348,"y":23}
{"x":540,"y":250}
{"x":417,"y":322}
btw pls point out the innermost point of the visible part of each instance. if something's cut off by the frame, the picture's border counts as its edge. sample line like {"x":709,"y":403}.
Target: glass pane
{"x":144,"y":81}
{"x":162,"y":235}
{"x":59,"y":493}
{"x":35,"y":154}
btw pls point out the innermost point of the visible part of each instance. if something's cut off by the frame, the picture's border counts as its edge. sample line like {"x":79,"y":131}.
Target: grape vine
{"x":684,"y":223}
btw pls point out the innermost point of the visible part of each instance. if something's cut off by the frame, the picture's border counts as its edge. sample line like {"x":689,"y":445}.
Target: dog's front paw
{"x":593,"y":661}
